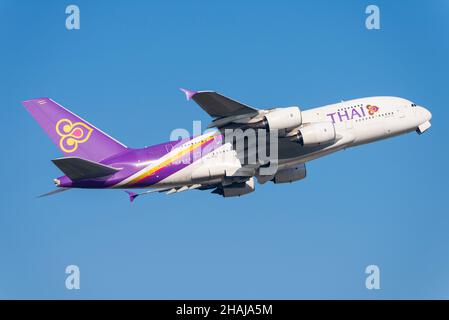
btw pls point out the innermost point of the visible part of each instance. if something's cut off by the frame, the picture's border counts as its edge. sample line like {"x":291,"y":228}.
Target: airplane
{"x":94,"y":160}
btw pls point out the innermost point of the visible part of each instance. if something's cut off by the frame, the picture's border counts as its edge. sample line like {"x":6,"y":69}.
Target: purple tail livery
{"x":71,"y":134}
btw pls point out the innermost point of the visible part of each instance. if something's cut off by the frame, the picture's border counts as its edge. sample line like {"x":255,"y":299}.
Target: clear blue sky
{"x":383,"y":204}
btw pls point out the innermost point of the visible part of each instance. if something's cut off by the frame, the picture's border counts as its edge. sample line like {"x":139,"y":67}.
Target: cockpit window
{"x":413,"y":105}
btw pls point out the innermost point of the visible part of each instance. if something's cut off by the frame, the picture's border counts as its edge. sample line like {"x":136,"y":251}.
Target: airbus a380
{"x":93,"y":159}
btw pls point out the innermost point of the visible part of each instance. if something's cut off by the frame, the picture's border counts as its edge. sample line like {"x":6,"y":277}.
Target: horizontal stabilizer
{"x":78,"y":169}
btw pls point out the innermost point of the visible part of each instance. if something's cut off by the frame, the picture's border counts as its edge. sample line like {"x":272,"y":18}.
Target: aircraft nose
{"x":427,"y":114}
{"x":424,"y":114}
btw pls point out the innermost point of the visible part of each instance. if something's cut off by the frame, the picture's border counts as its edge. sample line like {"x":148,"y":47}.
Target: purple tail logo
{"x":72,"y":134}
{"x":372,"y":109}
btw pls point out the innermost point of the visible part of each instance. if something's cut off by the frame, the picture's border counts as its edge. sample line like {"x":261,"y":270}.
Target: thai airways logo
{"x":351,"y":113}
{"x":372,"y":109}
{"x":72,"y":134}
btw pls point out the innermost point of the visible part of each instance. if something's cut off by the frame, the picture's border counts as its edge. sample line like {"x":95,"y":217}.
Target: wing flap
{"x":78,"y":169}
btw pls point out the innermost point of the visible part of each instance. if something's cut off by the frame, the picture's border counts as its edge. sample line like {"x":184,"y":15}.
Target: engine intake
{"x":315,"y":134}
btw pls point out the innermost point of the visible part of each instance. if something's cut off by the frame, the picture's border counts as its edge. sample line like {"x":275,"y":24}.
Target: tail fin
{"x":73,"y":135}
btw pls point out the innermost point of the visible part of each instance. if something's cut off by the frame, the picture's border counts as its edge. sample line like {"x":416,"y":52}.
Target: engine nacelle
{"x":317,"y":133}
{"x":237,"y":189}
{"x":283,"y":118}
{"x":290,"y":174}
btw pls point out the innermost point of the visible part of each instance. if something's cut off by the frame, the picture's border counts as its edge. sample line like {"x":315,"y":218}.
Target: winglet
{"x":189,"y":93}
{"x":132,"y":195}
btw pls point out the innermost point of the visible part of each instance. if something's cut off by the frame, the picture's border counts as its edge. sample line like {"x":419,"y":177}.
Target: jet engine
{"x":236,"y":189}
{"x":295,"y":173}
{"x":280,"y":119}
{"x":283,"y":118}
{"x":315,"y":134}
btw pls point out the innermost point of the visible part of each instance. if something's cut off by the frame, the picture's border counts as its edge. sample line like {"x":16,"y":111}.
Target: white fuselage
{"x":356,"y":125}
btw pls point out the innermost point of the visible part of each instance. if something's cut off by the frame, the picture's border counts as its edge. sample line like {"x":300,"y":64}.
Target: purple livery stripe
{"x":173,"y":164}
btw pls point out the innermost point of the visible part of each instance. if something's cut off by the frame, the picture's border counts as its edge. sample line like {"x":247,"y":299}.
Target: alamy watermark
{"x":251,"y":146}
{"x":373,"y":279}
{"x":73,"y":22}
{"x":372,"y":22}
{"x":73,"y":279}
